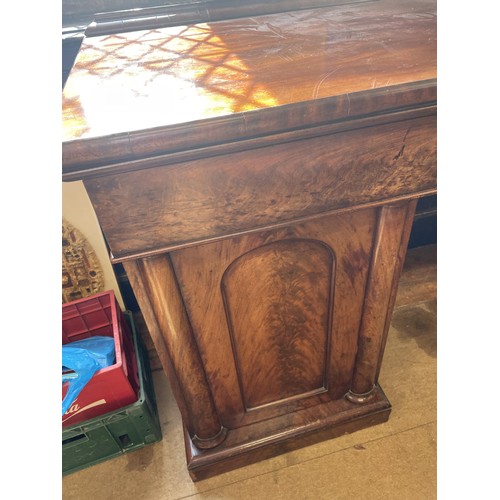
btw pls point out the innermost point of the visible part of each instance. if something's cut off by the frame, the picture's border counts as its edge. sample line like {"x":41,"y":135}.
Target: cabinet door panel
{"x":278,"y":302}
{"x":282,"y":308}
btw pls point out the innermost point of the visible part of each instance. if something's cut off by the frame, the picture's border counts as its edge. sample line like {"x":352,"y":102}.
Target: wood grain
{"x":207,"y":199}
{"x":257,"y":176}
{"x":278,"y":300}
{"x":163,"y":146}
{"x":385,"y":267}
{"x":163,"y":306}
{"x":200,"y":271}
{"x":269,"y":438}
{"x":403,"y":247}
{"x":124,"y":84}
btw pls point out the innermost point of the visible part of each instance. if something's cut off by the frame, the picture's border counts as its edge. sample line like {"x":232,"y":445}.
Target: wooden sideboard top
{"x":151,"y":92}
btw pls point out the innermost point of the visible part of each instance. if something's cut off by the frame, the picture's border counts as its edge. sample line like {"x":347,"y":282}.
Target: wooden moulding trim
{"x":360,"y":398}
{"x":115,"y":259}
{"x":206,"y":444}
{"x":197,"y":12}
{"x":163,"y":307}
{"x":162,"y":146}
{"x":384,"y":268}
{"x":275,"y":436}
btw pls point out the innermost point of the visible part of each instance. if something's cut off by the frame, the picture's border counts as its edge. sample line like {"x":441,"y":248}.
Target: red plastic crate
{"x":112,"y":387}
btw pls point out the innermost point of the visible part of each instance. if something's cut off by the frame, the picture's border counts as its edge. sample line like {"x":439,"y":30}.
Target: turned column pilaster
{"x":391,"y":240}
{"x":156,"y":288}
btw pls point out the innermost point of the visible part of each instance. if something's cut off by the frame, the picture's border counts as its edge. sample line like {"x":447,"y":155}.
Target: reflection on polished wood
{"x":171,"y":76}
{"x":258,"y":179}
{"x":197,"y":12}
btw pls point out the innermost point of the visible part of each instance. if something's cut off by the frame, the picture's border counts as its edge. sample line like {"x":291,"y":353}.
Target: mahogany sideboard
{"x":257,"y":176}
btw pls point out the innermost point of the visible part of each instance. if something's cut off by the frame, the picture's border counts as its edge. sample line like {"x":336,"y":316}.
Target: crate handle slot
{"x":75,"y":439}
{"x":125,"y":440}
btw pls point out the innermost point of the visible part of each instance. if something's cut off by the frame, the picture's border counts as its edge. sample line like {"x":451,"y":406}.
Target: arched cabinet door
{"x":278,"y":300}
{"x":276,"y":314}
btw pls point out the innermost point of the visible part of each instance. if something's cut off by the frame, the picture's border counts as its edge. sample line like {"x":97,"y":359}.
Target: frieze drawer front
{"x":166,"y":207}
{"x":258,"y":178}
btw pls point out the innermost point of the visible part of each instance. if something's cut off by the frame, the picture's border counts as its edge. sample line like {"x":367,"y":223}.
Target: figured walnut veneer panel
{"x":280,"y":324}
{"x":215,"y":197}
{"x":206,"y":273}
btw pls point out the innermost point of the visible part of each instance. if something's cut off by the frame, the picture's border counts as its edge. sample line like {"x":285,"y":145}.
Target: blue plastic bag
{"x":84,"y":357}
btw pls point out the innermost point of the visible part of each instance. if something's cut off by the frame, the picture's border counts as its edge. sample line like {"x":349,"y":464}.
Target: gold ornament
{"x":82,"y":273}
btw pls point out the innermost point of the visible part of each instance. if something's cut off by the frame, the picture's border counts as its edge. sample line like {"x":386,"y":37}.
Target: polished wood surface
{"x":208,"y":199}
{"x":385,"y":268}
{"x":213,"y":304}
{"x":279,"y":327}
{"x":196,"y":12}
{"x":167,"y":78}
{"x":158,"y":276}
{"x":268,"y":438}
{"x":286,"y":323}
{"x":258,"y":178}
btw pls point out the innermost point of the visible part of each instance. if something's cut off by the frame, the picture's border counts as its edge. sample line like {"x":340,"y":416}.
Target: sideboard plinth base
{"x":269,"y":438}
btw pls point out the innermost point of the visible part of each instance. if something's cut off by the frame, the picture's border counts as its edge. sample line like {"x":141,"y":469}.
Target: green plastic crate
{"x":117,"y":432}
